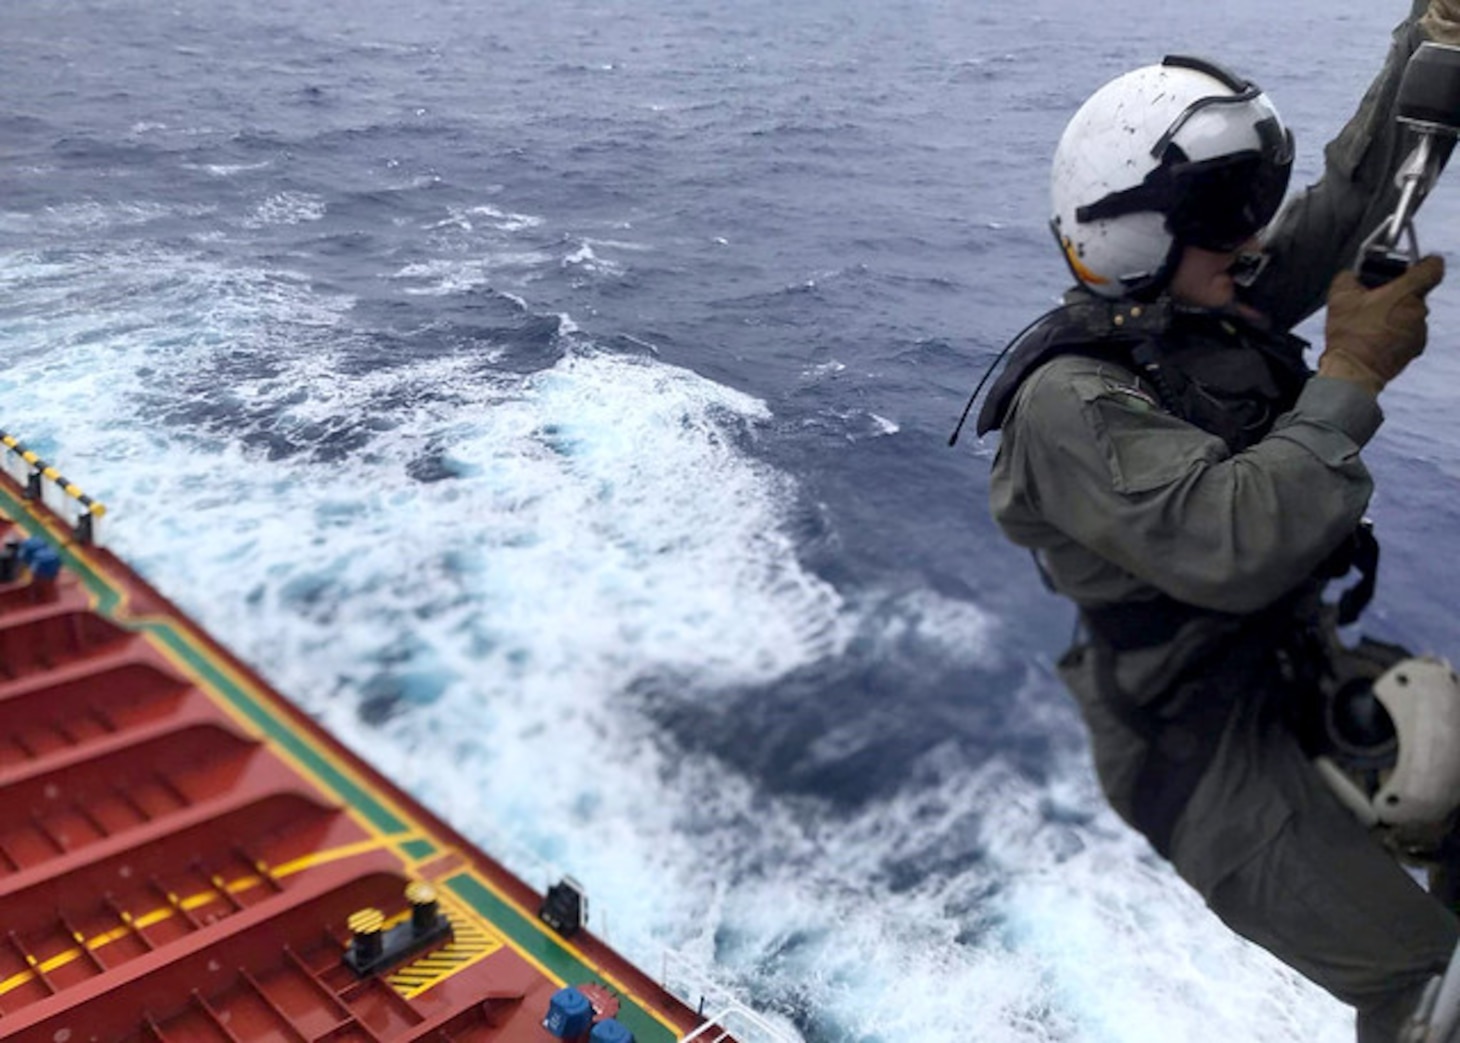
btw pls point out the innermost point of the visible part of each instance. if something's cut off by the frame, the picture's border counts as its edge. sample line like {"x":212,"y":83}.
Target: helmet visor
{"x":1215,"y":204}
{"x":1219,"y":204}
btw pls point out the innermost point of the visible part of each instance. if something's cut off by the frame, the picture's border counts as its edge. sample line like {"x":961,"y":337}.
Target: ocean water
{"x":553,"y":399}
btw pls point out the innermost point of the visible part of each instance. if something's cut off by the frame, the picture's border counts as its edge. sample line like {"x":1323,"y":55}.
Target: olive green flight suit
{"x":1122,"y":502}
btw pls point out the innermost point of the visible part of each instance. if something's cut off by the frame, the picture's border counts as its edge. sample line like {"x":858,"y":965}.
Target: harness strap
{"x":1127,"y":626}
{"x":1183,"y":725}
{"x":1365,"y":549}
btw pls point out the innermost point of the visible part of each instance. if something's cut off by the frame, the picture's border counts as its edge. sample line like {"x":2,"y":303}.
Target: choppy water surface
{"x":553,"y":399}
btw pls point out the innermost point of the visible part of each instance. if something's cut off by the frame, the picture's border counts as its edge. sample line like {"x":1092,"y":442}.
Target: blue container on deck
{"x":610,"y":1031}
{"x":40,"y":558}
{"x":46,"y":564}
{"x":569,"y":1014}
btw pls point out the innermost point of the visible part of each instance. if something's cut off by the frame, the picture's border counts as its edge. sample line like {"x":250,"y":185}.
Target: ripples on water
{"x":560,"y":391}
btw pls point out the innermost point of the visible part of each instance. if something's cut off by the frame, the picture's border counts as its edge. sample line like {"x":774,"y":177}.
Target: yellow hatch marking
{"x":132,"y":923}
{"x":471,"y":943}
{"x":531,"y":917}
{"x":265,"y":701}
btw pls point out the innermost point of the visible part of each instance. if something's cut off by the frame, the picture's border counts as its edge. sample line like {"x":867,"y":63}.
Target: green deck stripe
{"x":204,"y":666}
{"x":527,"y":934}
{"x":545,"y":948}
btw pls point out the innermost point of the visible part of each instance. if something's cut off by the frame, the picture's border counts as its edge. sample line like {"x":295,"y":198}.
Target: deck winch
{"x":181,"y":847}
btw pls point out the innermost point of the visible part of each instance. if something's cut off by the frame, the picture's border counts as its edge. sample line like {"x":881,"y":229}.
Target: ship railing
{"x":46,"y":485}
{"x":738,"y":1024}
{"x":731,"y":1020}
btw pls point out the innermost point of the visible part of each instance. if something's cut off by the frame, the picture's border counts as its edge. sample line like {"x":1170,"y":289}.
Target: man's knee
{"x":1388,"y":1019}
{"x":1324,"y":897}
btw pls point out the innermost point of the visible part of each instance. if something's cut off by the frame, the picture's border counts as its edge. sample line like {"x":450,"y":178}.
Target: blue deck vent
{"x":40,"y":558}
{"x":610,"y":1031}
{"x":569,"y":1014}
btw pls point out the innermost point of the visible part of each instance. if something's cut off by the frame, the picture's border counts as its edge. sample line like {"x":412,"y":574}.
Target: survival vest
{"x":1226,"y":376}
{"x":1233,"y":380}
{"x":1223,"y":375}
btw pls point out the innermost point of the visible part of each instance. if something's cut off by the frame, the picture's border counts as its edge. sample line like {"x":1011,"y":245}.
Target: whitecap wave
{"x":286,"y":208}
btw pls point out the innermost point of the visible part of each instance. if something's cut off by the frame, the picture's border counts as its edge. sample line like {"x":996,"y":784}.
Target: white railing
{"x":731,"y":1020}
{"x":740,"y":1024}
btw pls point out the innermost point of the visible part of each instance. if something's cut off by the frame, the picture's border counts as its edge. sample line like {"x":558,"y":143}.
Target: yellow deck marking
{"x":190,"y":635}
{"x":154,"y":917}
{"x":267,"y":702}
{"x":471,"y":943}
{"x":132,"y":923}
{"x":335,"y":854}
{"x":96,"y":941}
{"x":532,"y":918}
{"x":60,"y":960}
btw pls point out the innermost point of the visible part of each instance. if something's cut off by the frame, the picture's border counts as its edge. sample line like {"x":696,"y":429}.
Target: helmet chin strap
{"x":1160,"y":281}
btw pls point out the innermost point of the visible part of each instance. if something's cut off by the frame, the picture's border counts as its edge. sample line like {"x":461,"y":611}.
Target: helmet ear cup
{"x":1346,"y":722}
{"x":1359,"y":730}
{"x":1389,"y":738}
{"x":1422,"y":696}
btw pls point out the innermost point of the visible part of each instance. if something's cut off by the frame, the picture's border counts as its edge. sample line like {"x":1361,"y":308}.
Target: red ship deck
{"x":182,"y":850}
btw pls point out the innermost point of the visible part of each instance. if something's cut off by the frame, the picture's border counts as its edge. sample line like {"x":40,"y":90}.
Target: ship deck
{"x":184,"y":853}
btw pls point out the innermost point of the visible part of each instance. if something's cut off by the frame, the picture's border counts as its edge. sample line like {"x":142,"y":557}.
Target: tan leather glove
{"x":1441,"y":21}
{"x":1373,"y":334}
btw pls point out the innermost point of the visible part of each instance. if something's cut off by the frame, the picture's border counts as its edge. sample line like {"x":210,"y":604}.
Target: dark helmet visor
{"x":1221,"y":203}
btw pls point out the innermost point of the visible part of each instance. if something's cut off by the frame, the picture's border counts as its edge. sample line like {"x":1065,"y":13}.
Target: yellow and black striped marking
{"x":478,"y":908}
{"x":367,"y":921}
{"x":470,"y":943}
{"x":90,"y":509}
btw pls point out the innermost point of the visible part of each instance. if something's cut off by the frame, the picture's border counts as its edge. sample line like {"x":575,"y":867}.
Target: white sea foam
{"x":825,"y":369}
{"x":441,"y":277}
{"x":505,"y":220}
{"x":228,"y":169}
{"x":604,"y":521}
{"x":93,"y":217}
{"x":569,"y":552}
{"x":585,"y":259}
{"x":287,"y":208}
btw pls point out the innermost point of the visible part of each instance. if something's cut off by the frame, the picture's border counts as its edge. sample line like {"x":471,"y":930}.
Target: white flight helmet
{"x":1181,"y":153}
{"x":1397,"y":763}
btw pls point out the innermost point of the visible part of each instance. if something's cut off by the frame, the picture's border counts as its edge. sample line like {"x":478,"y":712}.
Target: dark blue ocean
{"x":553,"y":398}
